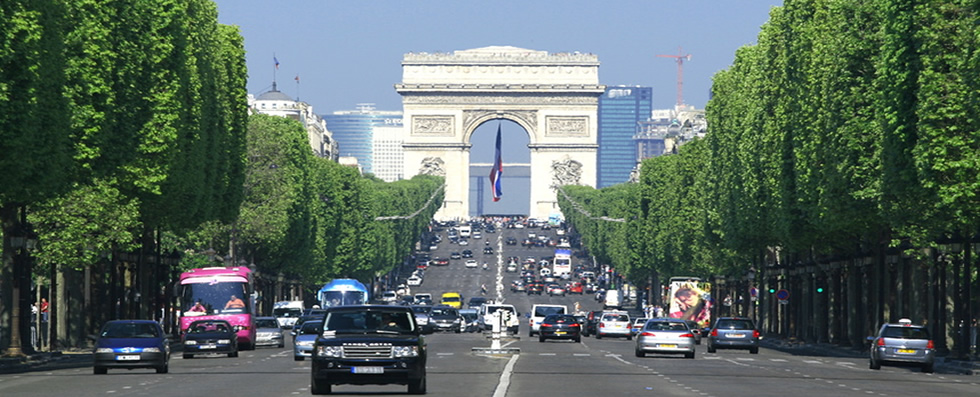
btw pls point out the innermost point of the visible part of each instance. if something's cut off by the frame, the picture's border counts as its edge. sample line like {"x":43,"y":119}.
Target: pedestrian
{"x":44,"y":310}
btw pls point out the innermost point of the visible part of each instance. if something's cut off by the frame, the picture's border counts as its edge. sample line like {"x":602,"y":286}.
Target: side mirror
{"x":871,"y":339}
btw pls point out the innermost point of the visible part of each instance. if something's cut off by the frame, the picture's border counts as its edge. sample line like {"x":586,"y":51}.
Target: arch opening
{"x":516,"y":177}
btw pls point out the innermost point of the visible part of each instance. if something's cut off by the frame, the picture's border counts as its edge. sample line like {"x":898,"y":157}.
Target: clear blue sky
{"x":350,"y":52}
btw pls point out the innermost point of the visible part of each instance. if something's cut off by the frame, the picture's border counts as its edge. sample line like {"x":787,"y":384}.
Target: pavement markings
{"x":504,"y":383}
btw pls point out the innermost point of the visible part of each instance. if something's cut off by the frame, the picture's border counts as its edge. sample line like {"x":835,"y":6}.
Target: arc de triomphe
{"x":554,"y":97}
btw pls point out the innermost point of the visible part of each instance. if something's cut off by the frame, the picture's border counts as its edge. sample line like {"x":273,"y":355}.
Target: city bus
{"x":222,"y":293}
{"x":562,"y":264}
{"x":342,"y":292}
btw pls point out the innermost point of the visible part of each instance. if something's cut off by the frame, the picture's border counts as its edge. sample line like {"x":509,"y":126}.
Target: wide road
{"x":605,"y":367}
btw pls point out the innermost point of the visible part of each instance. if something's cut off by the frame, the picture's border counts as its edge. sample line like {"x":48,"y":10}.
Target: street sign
{"x":782,"y":294}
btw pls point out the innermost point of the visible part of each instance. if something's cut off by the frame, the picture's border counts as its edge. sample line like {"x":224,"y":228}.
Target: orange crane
{"x":679,"y":58}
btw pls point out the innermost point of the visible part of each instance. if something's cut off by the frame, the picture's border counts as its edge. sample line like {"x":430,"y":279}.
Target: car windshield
{"x":905,"y":333}
{"x":546,"y":310}
{"x":310,"y":328}
{"x":287,"y":312}
{"x":440,"y":311}
{"x":200,"y":327}
{"x":266,"y":323}
{"x":369,"y":321}
{"x":130,"y":330}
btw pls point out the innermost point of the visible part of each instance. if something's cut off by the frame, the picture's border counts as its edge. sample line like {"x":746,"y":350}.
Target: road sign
{"x":782,"y":295}
{"x":754,"y":292}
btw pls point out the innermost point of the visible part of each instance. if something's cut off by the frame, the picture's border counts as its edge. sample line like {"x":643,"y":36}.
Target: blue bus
{"x":342,"y":292}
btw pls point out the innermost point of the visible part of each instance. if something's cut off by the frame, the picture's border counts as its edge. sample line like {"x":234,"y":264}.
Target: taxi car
{"x":903,"y":343}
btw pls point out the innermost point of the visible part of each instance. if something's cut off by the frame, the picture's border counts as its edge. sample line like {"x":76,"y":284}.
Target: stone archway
{"x":554,"y":97}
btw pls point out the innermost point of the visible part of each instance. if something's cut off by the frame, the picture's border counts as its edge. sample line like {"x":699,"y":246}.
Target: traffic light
{"x":820,"y":285}
{"x":772,"y":290}
{"x":819,"y":290}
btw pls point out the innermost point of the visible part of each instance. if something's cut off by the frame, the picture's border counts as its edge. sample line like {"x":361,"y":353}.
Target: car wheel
{"x":457,"y":330}
{"x":689,"y":355}
{"x":541,"y":338}
{"x":417,"y":387}
{"x":100,"y":370}
{"x":578,"y":339}
{"x":319,"y":387}
{"x":711,"y":349}
{"x":298,"y":358}
{"x":188,"y":356}
{"x":233,"y":354}
{"x":928,"y":368}
{"x":874,"y":364}
{"x":629,"y":337}
{"x":598,"y":335}
{"x":640,"y":353}
{"x":281,"y":345}
{"x":754,"y":350}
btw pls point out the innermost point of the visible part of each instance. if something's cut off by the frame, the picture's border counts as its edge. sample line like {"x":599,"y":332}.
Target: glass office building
{"x":354,"y":132}
{"x":621,"y":110}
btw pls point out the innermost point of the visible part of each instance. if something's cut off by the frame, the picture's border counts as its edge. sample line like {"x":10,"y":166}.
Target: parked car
{"x":616,"y":324}
{"x":304,"y":338}
{"x":369,"y":345}
{"x":131,"y":344}
{"x":210,"y":336}
{"x":903,"y":343}
{"x":268,"y":332}
{"x":665,"y":336}
{"x":734,"y":333}
{"x":560,"y":326}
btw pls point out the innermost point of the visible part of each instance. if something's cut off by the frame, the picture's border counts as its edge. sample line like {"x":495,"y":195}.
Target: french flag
{"x":498,"y":169}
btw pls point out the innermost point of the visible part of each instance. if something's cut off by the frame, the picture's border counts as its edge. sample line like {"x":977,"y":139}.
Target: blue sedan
{"x":304,"y":338}
{"x":131,"y":344}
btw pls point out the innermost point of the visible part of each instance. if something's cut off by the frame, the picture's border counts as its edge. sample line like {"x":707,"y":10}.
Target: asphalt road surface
{"x":605,"y":367}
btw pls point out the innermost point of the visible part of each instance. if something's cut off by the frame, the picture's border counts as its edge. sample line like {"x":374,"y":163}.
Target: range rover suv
{"x":369,"y":345}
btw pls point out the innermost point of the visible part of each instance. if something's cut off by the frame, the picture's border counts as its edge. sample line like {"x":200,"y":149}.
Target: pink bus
{"x":223,"y":293}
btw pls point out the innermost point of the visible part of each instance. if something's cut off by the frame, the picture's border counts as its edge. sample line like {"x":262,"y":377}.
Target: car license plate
{"x":560,"y":333}
{"x":209,"y":347}
{"x":128,"y":358}
{"x":367,"y":370}
{"x":905,"y":351}
{"x":736,"y":335}
{"x":668,"y":346}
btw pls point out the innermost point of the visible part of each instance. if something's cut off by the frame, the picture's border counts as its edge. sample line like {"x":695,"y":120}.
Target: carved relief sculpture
{"x":568,"y":126}
{"x":432,"y":166}
{"x":438,"y":125}
{"x":566,"y":172}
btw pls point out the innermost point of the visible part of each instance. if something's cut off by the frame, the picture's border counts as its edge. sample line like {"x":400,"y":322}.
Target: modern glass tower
{"x":621,"y":109}
{"x":354,"y":131}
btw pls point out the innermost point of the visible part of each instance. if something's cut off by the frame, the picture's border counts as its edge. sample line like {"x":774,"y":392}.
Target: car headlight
{"x":304,"y":343}
{"x":405,"y":351}
{"x":329,"y":351}
{"x":190,"y":342}
{"x":224,"y":341}
{"x":103,"y":350}
{"x":151,"y":350}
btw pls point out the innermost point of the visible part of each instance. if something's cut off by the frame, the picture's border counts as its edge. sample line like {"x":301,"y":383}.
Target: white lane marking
{"x":778,"y":360}
{"x":504,"y":382}
{"x":582,"y":354}
{"x":813,"y":361}
{"x":444,"y":354}
{"x":548,"y":354}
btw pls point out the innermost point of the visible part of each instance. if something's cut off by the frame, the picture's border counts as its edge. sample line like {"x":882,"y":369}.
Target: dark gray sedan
{"x":734,"y":333}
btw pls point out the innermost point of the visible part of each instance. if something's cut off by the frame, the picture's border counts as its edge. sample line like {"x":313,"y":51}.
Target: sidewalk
{"x":46,"y":361}
{"x":792,"y":346}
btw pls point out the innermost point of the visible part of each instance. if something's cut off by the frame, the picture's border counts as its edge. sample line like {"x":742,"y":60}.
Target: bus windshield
{"x":217,"y":298}
{"x":342,"y":298}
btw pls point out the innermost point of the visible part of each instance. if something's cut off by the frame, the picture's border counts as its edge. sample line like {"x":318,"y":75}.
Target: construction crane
{"x":679,"y":58}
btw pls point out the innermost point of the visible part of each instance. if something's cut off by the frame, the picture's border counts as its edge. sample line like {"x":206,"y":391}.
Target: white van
{"x":539,"y":312}
{"x":612,"y":300}
{"x":510,"y":316}
{"x":465,"y":231}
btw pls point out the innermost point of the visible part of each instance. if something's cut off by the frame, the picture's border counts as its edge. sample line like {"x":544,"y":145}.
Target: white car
{"x":414,"y":281}
{"x":471,"y":264}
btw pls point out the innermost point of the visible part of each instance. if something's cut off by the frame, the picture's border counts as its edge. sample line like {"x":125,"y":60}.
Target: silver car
{"x":304,"y":339}
{"x":902,"y":343}
{"x":616,"y":324}
{"x":666,"y":336}
{"x":268,"y":332}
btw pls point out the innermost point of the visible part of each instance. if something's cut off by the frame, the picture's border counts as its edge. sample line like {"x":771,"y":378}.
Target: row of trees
{"x":850,"y":129}
{"x":128,"y":146}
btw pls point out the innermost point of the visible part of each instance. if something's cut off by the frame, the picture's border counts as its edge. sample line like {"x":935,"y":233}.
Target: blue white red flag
{"x":276,"y":61}
{"x":497,"y":171}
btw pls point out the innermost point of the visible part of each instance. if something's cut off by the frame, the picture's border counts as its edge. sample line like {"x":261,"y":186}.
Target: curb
{"x":942,"y":364}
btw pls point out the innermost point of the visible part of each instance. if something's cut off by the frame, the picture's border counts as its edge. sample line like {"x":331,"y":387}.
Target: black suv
{"x":369,"y":345}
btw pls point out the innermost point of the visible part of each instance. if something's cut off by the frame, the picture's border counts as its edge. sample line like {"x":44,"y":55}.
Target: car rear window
{"x":735,"y":324}
{"x":905,"y":333}
{"x":666,"y":326}
{"x":615,"y":317}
